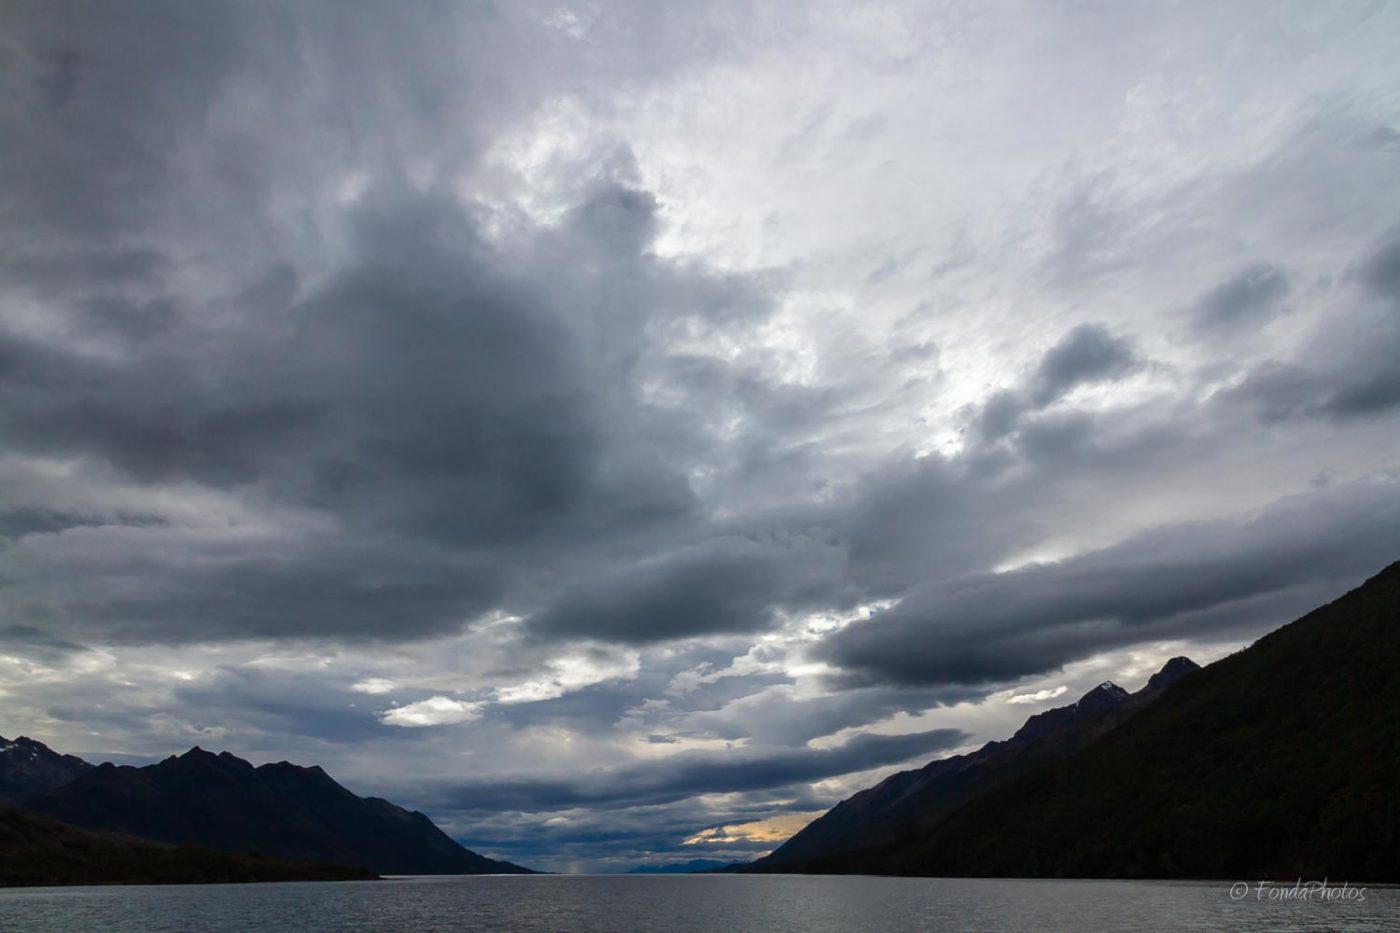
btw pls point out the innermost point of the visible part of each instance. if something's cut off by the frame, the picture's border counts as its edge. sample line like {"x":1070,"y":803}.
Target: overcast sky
{"x":621,"y":430}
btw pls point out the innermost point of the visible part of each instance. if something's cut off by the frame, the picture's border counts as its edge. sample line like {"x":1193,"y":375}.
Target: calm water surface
{"x":680,"y":903}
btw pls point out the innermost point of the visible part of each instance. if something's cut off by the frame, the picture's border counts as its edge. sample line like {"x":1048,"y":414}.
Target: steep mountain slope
{"x":35,"y":850}
{"x":1280,"y":761}
{"x":222,"y":802}
{"x":29,"y":768}
{"x":913,"y":801}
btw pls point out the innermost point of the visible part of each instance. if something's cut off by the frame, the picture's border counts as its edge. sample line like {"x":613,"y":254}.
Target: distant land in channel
{"x":698,"y":866}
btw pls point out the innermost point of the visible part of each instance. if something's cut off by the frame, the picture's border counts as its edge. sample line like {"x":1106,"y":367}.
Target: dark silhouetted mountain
{"x":1171,"y":672}
{"x":29,"y":768}
{"x":913,"y":801}
{"x":692,"y":867}
{"x":36,"y":850}
{"x":281,"y":810}
{"x":1280,"y":761}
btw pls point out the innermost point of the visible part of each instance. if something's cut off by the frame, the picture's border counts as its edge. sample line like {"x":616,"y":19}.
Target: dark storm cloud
{"x":467,"y":406}
{"x":159,"y":414}
{"x":16,"y":523}
{"x":1279,"y":391}
{"x":423,"y":389}
{"x":912,"y":519}
{"x":1087,"y":354}
{"x":1343,"y":372}
{"x":170,"y":585}
{"x":434,"y":397}
{"x":689,"y":774}
{"x":1222,"y":579}
{"x":1380,"y":272}
{"x":1244,"y":298}
{"x":724,"y":585}
{"x":781,"y":716}
{"x":29,"y":643}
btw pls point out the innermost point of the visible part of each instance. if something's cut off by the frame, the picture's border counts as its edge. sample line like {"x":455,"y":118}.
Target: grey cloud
{"x":908,"y":520}
{"x":689,"y":774}
{"x":1341,"y":372}
{"x":168,"y":584}
{"x":269,"y":702}
{"x":1243,"y":298}
{"x":1091,"y":230}
{"x":1222,"y":578}
{"x":780,"y":715}
{"x":724,"y":585}
{"x":1372,"y":386}
{"x":1278,"y":391}
{"x":433,"y":397}
{"x":1381,"y":270}
{"x":1368,"y":385}
{"x":16,"y":523}
{"x":999,"y":414}
{"x":1087,"y":354}
{"x":600,"y":709}
{"x":28,"y":642}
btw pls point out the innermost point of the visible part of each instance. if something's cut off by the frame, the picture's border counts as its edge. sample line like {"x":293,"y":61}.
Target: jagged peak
{"x":198,"y":755}
{"x":1105,"y":696}
{"x":1107,"y":690}
{"x":293,"y":767}
{"x":1171,"y":672}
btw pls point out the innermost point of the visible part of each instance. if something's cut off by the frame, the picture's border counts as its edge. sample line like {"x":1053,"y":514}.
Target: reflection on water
{"x":679,"y":903}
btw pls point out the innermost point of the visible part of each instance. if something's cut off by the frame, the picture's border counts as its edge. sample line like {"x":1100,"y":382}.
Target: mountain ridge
{"x":918,"y":799}
{"x":1278,"y":761}
{"x":222,"y":802}
{"x":36,"y":850}
{"x":29,"y":768}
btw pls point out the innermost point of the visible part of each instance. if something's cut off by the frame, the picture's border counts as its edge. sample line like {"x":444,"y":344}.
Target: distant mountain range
{"x":29,"y":768}
{"x":202,"y":816}
{"x":917,"y":801}
{"x":1280,"y":761}
{"x":282,"y":810}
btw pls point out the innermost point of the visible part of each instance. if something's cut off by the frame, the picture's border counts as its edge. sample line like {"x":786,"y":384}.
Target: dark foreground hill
{"x":280,"y":810}
{"x":36,"y":850}
{"x":29,"y":768}
{"x":1281,"y":761}
{"x":917,"y":801}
